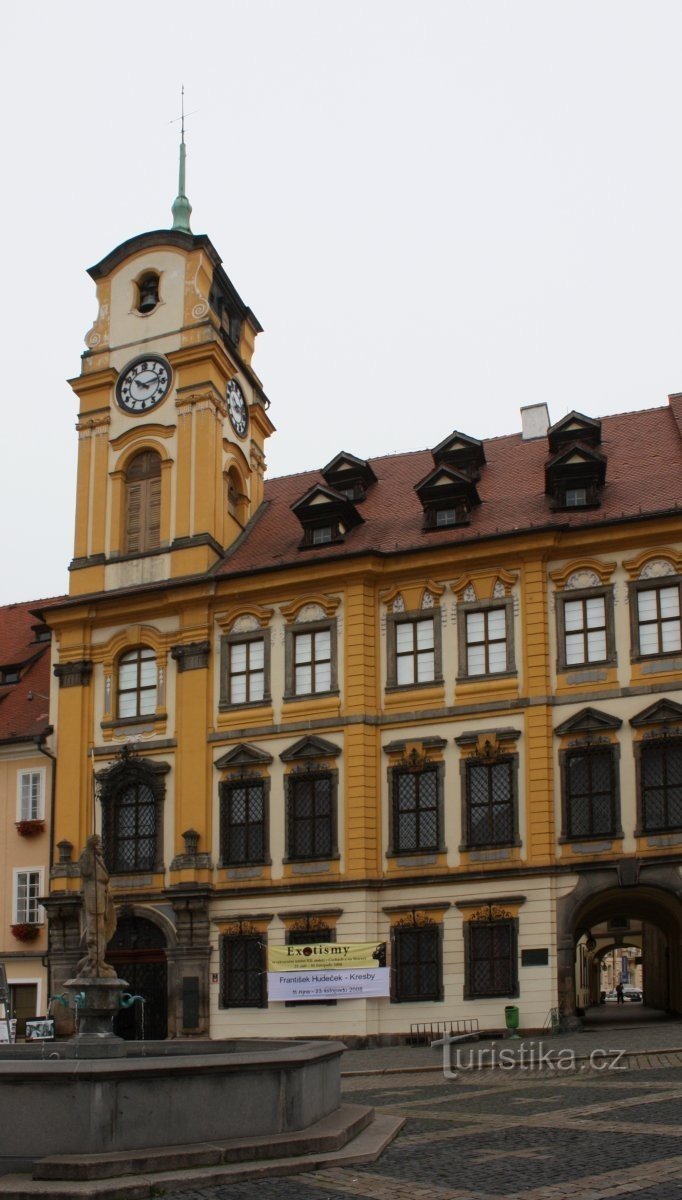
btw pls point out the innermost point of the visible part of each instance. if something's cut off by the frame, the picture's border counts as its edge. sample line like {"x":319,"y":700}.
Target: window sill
{"x":414,"y":687}
{"x":250,"y":862}
{"x":417,"y":999}
{"x":566,"y":839}
{"x":421,"y":850}
{"x":317,"y":858}
{"x":310,"y":695}
{"x":227,"y":706}
{"x":157,"y":718}
{"x":492,"y":995}
{"x":468,"y":847}
{"x":490,"y":675}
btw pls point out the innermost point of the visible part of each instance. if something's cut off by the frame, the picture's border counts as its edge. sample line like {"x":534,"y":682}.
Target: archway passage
{"x":138,"y":952}
{"x":596,"y":919}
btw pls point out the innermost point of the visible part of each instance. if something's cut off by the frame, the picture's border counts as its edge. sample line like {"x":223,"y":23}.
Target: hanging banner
{"x":329,"y":985}
{"x":320,"y":956}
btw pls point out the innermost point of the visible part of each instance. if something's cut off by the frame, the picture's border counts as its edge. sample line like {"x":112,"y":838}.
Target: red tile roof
{"x":643,"y":475}
{"x":21,"y":718}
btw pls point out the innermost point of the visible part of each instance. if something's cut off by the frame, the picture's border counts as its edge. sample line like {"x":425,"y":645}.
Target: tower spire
{"x":182,"y":209}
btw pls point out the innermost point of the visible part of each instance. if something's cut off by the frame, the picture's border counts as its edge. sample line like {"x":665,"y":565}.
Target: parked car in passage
{"x":632,"y":993}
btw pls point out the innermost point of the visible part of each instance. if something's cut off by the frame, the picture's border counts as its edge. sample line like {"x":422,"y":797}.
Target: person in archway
{"x":619,"y":992}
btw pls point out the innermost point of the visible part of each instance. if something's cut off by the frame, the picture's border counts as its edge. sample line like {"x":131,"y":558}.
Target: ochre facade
{"x":311,"y":710}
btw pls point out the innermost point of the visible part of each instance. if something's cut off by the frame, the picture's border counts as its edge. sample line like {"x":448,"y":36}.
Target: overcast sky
{"x":439,"y":211}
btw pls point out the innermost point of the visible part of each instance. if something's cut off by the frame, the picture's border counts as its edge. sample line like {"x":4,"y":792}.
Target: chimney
{"x":534,"y":421}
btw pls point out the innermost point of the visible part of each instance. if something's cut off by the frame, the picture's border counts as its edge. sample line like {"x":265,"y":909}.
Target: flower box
{"x":24,"y":932}
{"x":30,"y":828}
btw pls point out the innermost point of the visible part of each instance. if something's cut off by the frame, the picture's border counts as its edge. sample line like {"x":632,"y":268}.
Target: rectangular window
{"x":491,"y":966}
{"x":244,"y":669}
{"x":416,"y":810}
{"x":27,"y":888}
{"x":246,"y":672}
{"x":446,"y":516}
{"x":415,"y":652}
{"x":585,"y":630}
{"x":312,"y":662}
{"x":242,"y":822}
{"x":590,"y":793}
{"x":661,"y":785}
{"x":486,"y":641}
{"x":321,"y":534}
{"x":243,"y":980}
{"x":311,"y":816}
{"x":575,"y":497}
{"x":30,"y":805}
{"x":490,"y":802}
{"x":658,"y":620}
{"x":417,"y":963}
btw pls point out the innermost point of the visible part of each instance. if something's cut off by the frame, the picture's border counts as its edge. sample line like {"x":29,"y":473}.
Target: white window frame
{"x":40,"y":815}
{"x":40,"y":915}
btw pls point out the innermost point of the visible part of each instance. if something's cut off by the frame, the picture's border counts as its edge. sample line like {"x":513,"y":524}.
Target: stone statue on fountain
{"x":99,"y":913}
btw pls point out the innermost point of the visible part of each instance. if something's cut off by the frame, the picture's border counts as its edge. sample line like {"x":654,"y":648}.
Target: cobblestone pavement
{"x":611,"y":1129}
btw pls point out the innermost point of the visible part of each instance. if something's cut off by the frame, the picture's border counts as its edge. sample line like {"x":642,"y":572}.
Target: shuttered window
{"x":143,"y":503}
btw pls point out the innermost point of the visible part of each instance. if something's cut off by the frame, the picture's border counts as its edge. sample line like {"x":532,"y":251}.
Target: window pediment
{"x":588,"y":720}
{"x":664,"y":712}
{"x":243,"y":755}
{"x":309,"y":748}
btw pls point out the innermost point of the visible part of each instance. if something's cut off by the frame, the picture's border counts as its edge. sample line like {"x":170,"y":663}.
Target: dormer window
{"x":9,"y":675}
{"x":577,"y":469}
{"x":148,"y":292}
{"x":574,"y":476}
{"x":447,"y":496}
{"x":326,"y":516}
{"x":464,"y":454}
{"x":349,"y":476}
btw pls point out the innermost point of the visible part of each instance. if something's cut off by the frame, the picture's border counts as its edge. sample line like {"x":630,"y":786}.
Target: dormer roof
{"x":574,"y":427}
{"x":348,"y":474}
{"x":460,"y":451}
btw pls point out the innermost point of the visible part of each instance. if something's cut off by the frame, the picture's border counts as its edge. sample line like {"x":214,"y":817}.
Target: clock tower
{"x":173,"y":418}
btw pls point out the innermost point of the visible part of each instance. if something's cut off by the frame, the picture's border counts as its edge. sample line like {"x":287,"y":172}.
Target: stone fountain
{"x":127,"y":1118}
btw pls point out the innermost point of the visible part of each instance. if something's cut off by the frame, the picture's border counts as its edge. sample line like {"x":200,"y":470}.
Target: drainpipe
{"x":39,"y":740}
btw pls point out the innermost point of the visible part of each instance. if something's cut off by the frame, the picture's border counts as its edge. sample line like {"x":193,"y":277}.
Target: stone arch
{"x":646,"y":892}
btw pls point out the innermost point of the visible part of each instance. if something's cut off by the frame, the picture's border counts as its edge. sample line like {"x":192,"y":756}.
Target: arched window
{"x":143,"y":502}
{"x":137,"y":683}
{"x":132,"y":794}
{"x":236,"y":498}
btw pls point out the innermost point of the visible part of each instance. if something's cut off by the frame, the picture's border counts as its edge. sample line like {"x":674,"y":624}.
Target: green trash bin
{"x":511,"y":1019}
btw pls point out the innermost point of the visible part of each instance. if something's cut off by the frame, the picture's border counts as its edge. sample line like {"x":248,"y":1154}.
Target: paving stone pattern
{"x":511,"y":1135}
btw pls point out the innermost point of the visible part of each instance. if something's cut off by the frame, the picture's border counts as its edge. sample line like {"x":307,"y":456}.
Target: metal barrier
{"x":553,"y":1020}
{"x":424,"y":1032}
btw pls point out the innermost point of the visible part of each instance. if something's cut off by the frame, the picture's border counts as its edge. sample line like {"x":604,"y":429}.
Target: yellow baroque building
{"x":426,"y":700}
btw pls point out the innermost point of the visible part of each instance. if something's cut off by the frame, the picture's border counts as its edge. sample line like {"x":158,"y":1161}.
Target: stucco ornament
{"x":99,"y":914}
{"x":655,"y":568}
{"x":582,"y":579}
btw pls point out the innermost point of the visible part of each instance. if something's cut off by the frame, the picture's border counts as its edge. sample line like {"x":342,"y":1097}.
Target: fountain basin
{"x":160,"y":1094}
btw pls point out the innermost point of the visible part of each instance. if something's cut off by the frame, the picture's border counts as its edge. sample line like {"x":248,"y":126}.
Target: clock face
{"x":236,"y":407}
{"x":143,"y":384}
